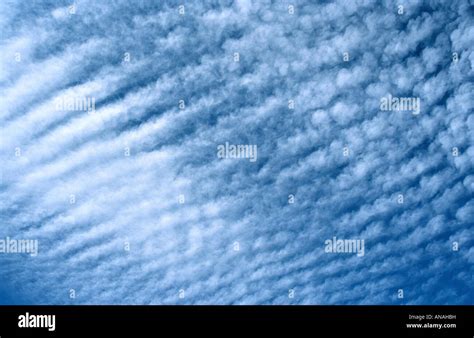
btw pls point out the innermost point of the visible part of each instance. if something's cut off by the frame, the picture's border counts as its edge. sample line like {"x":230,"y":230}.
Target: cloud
{"x":131,"y":204}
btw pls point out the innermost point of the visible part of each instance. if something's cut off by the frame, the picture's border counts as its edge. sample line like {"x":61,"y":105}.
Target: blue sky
{"x":131,"y":204}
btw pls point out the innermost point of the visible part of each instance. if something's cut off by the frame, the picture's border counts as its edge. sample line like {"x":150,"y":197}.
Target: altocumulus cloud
{"x":121,"y":185}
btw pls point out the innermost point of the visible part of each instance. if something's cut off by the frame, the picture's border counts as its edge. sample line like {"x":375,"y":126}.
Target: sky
{"x":112,"y":114}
